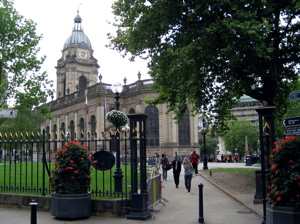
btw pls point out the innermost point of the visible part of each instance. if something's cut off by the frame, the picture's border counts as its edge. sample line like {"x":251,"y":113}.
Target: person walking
{"x":163,"y":163}
{"x":188,"y":175}
{"x":194,"y":160}
{"x":179,"y":158}
{"x":176,"y":164}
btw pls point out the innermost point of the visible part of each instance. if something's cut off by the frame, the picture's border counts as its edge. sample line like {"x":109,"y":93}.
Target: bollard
{"x":210,"y":172}
{"x":33,"y":205}
{"x":201,"y":218}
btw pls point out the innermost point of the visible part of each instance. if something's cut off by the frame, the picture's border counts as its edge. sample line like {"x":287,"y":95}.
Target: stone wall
{"x":100,"y":207}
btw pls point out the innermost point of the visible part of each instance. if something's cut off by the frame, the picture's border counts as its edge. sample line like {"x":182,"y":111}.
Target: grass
{"x":235,"y":171}
{"x":28,"y":177}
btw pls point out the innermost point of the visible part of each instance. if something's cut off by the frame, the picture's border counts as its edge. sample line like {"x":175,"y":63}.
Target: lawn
{"x":32,"y":177}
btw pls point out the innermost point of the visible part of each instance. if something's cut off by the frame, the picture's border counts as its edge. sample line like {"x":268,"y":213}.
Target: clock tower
{"x":77,"y":69}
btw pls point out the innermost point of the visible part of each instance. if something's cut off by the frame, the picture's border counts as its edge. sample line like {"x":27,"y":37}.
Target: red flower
{"x":274,"y":166}
{"x":69,"y":168}
{"x":277,"y":171}
{"x":76,"y":171}
{"x":95,"y":161}
{"x":277,"y":193}
{"x":71,"y":161}
{"x":277,"y":148}
{"x":278,"y":198}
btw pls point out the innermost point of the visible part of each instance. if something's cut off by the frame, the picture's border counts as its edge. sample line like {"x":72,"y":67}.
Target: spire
{"x":77,"y":22}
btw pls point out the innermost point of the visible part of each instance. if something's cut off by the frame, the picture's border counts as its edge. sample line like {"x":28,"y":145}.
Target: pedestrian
{"x":188,"y":174}
{"x":176,"y":164}
{"x":194,"y":160}
{"x":179,"y":158}
{"x":163,"y":163}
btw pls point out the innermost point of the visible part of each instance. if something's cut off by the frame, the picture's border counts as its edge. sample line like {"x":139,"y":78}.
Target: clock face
{"x":82,"y":53}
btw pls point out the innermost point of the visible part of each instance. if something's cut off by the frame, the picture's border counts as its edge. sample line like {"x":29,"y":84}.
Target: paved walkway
{"x":219,"y":207}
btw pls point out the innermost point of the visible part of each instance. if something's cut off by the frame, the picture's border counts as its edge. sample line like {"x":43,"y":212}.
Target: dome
{"x":77,"y":38}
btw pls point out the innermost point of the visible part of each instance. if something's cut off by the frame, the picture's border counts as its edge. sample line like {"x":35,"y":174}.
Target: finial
{"x":125,"y":81}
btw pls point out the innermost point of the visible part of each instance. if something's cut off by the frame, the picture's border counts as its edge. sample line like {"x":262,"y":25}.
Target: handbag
{"x":169,"y":166}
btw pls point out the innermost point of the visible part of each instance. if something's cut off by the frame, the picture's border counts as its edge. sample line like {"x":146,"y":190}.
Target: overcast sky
{"x":55,"y":20}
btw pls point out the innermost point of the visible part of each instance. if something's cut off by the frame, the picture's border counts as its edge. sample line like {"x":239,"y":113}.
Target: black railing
{"x":27,"y":161}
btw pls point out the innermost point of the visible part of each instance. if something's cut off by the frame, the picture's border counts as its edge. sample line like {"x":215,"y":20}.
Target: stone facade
{"x":77,"y":75}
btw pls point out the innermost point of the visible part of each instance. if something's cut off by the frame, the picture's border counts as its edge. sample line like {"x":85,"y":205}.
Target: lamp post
{"x":204,"y":131}
{"x":117,"y":89}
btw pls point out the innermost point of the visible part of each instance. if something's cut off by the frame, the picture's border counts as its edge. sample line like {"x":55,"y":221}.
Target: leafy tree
{"x":20,"y":78}
{"x":234,"y":138}
{"x":209,"y":53}
{"x":27,"y":121}
{"x":210,"y":145}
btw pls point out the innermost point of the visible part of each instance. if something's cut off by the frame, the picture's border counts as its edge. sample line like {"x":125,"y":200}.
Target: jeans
{"x":195,"y":167}
{"x":164,"y":174}
{"x":188,"y":181}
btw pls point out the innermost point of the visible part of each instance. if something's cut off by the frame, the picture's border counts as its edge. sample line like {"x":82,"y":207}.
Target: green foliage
{"x":210,"y":146}
{"x":208,"y":54}
{"x":117,"y":118}
{"x":71,"y":174}
{"x":285,"y":173}
{"x":20,"y":78}
{"x":28,"y":121}
{"x":234,"y":138}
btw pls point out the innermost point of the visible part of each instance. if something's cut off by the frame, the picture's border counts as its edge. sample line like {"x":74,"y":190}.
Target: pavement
{"x":176,"y":206}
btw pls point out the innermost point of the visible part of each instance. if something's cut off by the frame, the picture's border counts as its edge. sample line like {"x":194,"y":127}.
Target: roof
{"x":77,"y":38}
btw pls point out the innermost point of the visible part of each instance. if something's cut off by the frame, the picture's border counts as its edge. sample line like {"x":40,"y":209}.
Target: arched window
{"x":131,"y":111}
{"x":82,"y":82}
{"x":72,"y":130}
{"x":81,"y":127}
{"x":47,"y":131}
{"x":55,"y":131}
{"x":184,"y":129}
{"x":93,"y":125}
{"x":152,"y":126}
{"x":63,"y":127}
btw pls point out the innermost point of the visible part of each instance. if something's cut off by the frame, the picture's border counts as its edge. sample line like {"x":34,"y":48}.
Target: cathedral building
{"x":82,"y":101}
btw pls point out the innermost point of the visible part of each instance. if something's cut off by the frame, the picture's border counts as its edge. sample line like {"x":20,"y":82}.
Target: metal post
{"x":118,"y":172}
{"x":33,"y":205}
{"x":201,"y":218}
{"x":204,"y":151}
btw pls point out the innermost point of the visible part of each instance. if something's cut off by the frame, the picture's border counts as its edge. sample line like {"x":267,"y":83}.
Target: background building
{"x":82,"y":101}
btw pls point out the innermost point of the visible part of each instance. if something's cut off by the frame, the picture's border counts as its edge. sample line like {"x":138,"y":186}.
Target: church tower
{"x":77,"y":69}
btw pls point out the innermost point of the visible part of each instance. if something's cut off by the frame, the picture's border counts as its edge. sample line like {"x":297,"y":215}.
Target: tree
{"x":209,"y":53}
{"x":20,"y":79}
{"x":210,"y":146}
{"x":25,"y":122}
{"x":234,"y":138}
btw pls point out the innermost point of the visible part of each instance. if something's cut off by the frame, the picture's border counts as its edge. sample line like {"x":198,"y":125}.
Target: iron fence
{"x":27,"y":160}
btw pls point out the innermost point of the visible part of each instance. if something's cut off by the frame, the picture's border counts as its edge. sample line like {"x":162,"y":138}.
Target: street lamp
{"x":203,"y":132}
{"x":117,"y":89}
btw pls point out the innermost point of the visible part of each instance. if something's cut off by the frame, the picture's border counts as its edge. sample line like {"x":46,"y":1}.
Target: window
{"x":81,"y":127}
{"x":72,"y":130}
{"x":82,"y":83}
{"x":184,"y":129}
{"x":93,"y":126}
{"x":152,"y":126}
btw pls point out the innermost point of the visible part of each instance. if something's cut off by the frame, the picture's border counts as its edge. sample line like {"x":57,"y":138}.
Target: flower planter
{"x":279,"y":215}
{"x":71,"y":206}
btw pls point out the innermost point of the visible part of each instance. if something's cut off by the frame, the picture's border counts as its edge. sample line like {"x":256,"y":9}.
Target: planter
{"x":71,"y":206}
{"x":279,"y":215}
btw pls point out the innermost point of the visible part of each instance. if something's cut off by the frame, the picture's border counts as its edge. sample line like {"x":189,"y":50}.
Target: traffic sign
{"x":292,"y":130}
{"x":295,"y":96}
{"x":8,"y":113}
{"x":292,"y":121}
